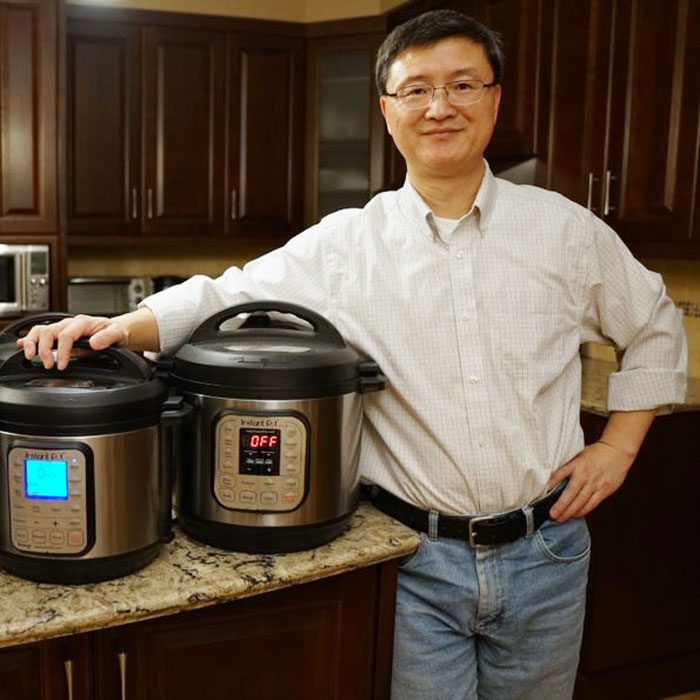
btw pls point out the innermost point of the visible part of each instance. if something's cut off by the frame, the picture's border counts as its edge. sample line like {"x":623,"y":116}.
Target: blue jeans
{"x":494,"y":623}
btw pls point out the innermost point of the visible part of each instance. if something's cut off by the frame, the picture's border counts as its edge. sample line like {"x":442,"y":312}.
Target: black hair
{"x":429,"y":28}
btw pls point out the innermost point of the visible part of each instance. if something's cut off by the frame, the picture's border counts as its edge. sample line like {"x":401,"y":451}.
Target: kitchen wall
{"x":282,"y":10}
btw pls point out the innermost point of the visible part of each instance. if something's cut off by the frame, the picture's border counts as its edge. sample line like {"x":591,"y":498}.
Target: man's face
{"x":441,"y":139}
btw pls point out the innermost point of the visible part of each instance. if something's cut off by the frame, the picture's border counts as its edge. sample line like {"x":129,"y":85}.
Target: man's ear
{"x":383,"y":106}
{"x":497,"y":102}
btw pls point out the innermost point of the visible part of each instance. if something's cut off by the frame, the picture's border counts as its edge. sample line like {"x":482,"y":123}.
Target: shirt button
{"x":481,"y":442}
{"x":459,"y":254}
{"x":473,"y":379}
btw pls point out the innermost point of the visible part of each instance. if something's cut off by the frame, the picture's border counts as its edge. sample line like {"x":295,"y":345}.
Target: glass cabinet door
{"x":344,"y":130}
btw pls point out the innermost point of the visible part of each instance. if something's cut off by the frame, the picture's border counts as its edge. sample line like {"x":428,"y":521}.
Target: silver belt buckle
{"x":472,"y":534}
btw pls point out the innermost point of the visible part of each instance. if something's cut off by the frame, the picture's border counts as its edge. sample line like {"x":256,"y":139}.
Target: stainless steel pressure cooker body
{"x":273,"y":451}
{"x":85,"y":487}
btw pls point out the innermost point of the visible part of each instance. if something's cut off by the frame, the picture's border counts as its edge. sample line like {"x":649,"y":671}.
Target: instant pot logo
{"x":259,"y":422}
{"x":48,"y":456}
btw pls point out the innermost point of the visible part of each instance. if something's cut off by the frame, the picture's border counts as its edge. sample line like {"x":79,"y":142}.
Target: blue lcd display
{"x":46,"y":479}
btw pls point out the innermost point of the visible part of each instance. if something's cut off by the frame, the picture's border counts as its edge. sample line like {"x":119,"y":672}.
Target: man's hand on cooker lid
{"x":101,"y":332}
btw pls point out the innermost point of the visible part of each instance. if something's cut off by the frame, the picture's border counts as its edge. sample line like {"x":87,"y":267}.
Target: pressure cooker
{"x":272,"y":463}
{"x":85,"y":465}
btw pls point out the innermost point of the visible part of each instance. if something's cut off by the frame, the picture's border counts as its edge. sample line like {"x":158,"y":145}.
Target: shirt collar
{"x":414,"y":206}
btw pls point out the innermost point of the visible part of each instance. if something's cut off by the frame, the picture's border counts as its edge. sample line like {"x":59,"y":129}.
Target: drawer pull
{"x":68,"y":666}
{"x":122,"y":673}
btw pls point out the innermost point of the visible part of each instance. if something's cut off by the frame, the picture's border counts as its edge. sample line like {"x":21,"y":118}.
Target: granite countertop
{"x":594,"y":390}
{"x":188,"y":575}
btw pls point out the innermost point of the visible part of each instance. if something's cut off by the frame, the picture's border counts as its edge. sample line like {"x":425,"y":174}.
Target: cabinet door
{"x":183,"y":131}
{"x":518,"y":21}
{"x":653,"y":132}
{"x":574,"y":106}
{"x":103,"y":128}
{"x":345,"y":129}
{"x":311,"y":642}
{"x":265,"y":132}
{"x":28,"y":115}
{"x":47,"y":671}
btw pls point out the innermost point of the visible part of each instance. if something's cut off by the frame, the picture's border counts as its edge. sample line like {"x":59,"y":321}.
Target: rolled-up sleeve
{"x":628,"y":307}
{"x":299,"y":272}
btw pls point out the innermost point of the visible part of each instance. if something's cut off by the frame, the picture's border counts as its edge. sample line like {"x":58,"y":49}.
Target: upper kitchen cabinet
{"x":183,"y":138}
{"x":265,"y":135}
{"x":623,"y":117}
{"x":519,"y":23}
{"x":104,"y":128}
{"x":182,"y":125}
{"x":29,"y":60}
{"x":345,"y":130}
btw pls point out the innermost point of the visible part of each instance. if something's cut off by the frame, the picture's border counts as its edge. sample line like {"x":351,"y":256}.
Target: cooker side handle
{"x":371,"y":377}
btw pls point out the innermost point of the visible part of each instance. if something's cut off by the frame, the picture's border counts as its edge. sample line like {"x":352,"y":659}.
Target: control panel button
{"x":39,"y":536}
{"x":268,"y":498}
{"x":22,"y":535}
{"x":75,"y":538}
{"x":58,"y":537}
{"x":248,"y":496}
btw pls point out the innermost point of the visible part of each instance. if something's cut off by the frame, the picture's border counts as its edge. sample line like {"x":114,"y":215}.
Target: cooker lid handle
{"x":14,"y":329}
{"x":129,"y":362}
{"x":323,"y":328}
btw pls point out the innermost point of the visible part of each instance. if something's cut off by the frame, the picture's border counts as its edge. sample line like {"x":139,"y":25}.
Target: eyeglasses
{"x":459,"y":92}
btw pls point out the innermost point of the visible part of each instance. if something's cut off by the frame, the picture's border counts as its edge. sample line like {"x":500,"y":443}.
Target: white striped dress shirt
{"x":478,"y":333}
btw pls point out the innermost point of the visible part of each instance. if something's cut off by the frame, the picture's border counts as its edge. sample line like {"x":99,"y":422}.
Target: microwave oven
{"x":24,"y":279}
{"x":107,"y":296}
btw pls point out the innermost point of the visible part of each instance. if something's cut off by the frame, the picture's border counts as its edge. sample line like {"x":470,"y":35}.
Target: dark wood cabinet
{"x":642,"y":630}
{"x":177,"y":128}
{"x":59,"y":669}
{"x":183,"y":138}
{"x":520,"y":25}
{"x":265,"y":135}
{"x":104,"y":128}
{"x":622,"y":116}
{"x":29,"y":46}
{"x":330,"y":639}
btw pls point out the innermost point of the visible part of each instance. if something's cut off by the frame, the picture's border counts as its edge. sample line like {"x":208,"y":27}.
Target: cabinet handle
{"x":234,"y":213}
{"x":150,"y":203}
{"x":68,"y":666}
{"x":122,"y":673}
{"x":606,"y":201}
{"x":589,"y":200}
{"x":134,"y":204}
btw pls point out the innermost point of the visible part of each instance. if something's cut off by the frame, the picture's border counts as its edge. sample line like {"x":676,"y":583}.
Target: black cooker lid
{"x":111,"y":390}
{"x":271,"y":358}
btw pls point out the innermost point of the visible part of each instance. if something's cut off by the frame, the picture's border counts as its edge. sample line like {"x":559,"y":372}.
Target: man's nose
{"x":440,"y":104}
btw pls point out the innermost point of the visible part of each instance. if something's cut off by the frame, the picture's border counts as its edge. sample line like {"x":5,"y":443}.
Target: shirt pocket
{"x":531,"y":339}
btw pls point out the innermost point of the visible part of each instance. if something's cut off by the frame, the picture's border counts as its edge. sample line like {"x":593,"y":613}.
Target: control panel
{"x":37,"y":276}
{"x":260,"y":462}
{"x":48,"y":500}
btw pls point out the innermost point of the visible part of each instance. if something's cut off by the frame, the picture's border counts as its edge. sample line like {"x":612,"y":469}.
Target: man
{"x":474,"y":296}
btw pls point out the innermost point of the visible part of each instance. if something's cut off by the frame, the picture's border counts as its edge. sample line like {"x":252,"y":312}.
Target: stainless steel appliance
{"x":272,"y":463}
{"x":107,"y":296}
{"x":85,"y":466}
{"x":24,"y":279}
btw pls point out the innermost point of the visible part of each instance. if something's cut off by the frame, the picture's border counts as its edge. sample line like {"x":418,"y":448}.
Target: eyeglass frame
{"x":444,"y":87}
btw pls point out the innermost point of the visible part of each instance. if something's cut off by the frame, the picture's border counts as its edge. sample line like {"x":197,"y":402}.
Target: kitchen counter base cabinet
{"x":642,"y":631}
{"x":330,"y":639}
